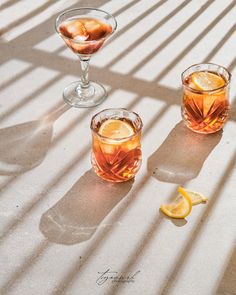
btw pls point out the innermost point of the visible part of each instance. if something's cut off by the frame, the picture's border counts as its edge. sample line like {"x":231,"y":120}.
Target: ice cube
{"x":95,"y":29}
{"x":80,"y":38}
{"x":75,"y":29}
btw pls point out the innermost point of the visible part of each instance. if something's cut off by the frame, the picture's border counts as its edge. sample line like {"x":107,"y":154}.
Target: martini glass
{"x":85,"y":30}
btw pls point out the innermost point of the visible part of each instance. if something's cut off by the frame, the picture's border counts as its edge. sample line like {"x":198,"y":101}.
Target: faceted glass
{"x":116,"y":159}
{"x":205,"y":111}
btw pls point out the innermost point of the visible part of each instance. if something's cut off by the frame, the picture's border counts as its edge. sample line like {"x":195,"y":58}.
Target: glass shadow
{"x":24,"y":146}
{"x":77,"y":215}
{"x":182,"y":154}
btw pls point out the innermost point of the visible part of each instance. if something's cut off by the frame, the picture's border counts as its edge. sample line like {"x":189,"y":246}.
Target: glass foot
{"x":94,"y":95}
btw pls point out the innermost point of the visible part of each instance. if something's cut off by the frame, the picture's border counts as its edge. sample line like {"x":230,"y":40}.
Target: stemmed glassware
{"x":85,"y":30}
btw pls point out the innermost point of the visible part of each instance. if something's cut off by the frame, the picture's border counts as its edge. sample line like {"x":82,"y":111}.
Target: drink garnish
{"x":206,"y":81}
{"x":196,"y":198}
{"x":181,"y":207}
{"x":115,"y":129}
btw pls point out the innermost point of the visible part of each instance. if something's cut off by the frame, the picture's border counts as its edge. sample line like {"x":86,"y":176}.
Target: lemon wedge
{"x":196,"y":197}
{"x":115,"y":129}
{"x":180,"y":207}
{"x":206,"y":81}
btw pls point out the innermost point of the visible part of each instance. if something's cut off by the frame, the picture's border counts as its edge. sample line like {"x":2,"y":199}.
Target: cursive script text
{"x":115,"y":277}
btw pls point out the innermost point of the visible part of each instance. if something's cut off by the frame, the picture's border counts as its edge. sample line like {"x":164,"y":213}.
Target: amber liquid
{"x":84,"y":29}
{"x":205,"y":112}
{"x":116,"y":160}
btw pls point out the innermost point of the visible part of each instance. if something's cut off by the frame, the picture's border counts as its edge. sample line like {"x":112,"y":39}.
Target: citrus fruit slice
{"x":206,"y":81}
{"x":115,"y":129}
{"x":180,"y":207}
{"x":196,"y":197}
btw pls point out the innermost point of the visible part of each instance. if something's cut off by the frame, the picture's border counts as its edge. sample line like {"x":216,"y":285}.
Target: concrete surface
{"x":63,"y":230}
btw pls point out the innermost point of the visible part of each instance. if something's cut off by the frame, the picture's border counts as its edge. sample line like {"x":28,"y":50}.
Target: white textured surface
{"x":60,"y":225}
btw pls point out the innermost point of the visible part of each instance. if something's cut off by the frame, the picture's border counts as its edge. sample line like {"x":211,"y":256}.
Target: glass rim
{"x":136,"y":131}
{"x":206,"y":91}
{"x":79,"y":9}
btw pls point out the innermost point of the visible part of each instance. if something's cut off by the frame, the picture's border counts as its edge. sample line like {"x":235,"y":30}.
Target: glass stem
{"x":85,"y":72}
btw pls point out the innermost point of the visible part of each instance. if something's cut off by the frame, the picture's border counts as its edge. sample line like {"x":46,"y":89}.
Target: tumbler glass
{"x":116,"y":144}
{"x":205,"y":105}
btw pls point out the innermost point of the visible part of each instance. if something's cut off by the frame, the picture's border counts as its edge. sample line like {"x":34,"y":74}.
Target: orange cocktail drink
{"x":205,"y":105}
{"x":77,"y":30}
{"x":116,"y":146}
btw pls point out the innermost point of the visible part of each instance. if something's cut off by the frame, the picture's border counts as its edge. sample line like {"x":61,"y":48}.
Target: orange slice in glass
{"x":115,"y":129}
{"x":206,"y":81}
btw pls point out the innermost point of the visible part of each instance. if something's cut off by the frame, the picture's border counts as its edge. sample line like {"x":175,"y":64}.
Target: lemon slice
{"x":207,"y":81}
{"x":196,"y":197}
{"x":115,"y":129}
{"x":180,"y":207}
